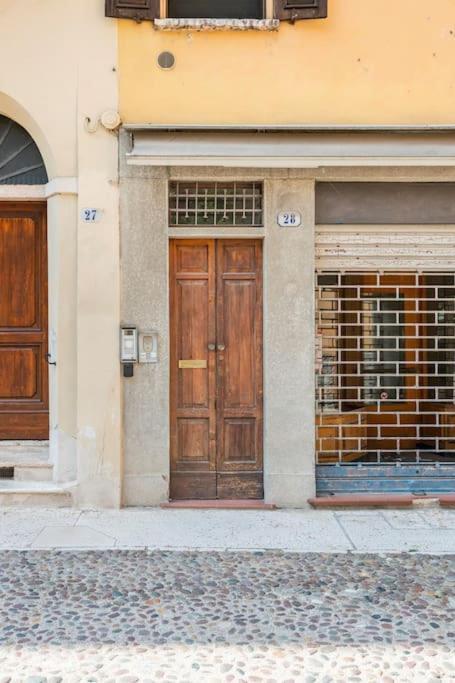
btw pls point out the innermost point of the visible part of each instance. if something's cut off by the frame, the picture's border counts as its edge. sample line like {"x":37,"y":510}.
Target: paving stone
{"x":71,"y":537}
{"x":132,"y":616}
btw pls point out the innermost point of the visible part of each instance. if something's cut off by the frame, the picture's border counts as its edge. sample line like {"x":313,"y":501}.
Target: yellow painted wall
{"x":370,"y":62}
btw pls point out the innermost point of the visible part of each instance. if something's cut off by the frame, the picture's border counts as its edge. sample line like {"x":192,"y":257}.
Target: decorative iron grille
{"x":215,"y":204}
{"x":385,"y":367}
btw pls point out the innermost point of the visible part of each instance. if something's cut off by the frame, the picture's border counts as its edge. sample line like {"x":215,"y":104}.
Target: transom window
{"x":215,"y":204}
{"x":216,"y":9}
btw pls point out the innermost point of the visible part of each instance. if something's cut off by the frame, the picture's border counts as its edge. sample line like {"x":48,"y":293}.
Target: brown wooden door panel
{"x":239,"y":404}
{"x":20,"y":271}
{"x":24,"y":400}
{"x":238,"y":299}
{"x":216,"y":411}
{"x":193,"y":424}
{"x":19,"y":373}
{"x":193,"y":331}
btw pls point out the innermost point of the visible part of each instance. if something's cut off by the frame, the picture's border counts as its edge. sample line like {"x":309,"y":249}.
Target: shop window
{"x":385,"y":364}
{"x":202,"y":204}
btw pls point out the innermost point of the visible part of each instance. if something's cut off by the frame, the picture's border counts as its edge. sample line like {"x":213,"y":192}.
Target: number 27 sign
{"x":289,"y":219}
{"x":90,"y":215}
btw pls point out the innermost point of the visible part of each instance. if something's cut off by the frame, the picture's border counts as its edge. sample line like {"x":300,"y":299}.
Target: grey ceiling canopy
{"x":21,"y":162}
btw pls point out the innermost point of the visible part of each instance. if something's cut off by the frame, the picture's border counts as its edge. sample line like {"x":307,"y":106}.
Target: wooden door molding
{"x":24,"y":384}
{"x":216,"y":410}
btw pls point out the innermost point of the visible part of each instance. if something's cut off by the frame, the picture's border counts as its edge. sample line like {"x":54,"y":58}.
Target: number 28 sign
{"x":289,"y":219}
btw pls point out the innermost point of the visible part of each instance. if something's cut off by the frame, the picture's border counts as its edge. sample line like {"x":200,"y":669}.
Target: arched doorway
{"x":24,"y":383}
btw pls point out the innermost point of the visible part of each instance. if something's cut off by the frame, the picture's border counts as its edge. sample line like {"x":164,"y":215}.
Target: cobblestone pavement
{"x":138,"y":615}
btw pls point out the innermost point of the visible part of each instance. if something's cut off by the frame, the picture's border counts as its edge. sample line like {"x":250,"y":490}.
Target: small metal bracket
{"x":49,"y":361}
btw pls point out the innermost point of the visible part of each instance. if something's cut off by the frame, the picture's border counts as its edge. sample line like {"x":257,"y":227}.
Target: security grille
{"x":215,"y":204}
{"x":385,"y":367}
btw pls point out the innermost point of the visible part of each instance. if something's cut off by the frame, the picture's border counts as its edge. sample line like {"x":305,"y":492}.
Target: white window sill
{"x":217,"y":24}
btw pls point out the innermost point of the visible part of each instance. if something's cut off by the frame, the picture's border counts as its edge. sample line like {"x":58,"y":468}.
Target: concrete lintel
{"x":22,"y":192}
{"x":37,"y":192}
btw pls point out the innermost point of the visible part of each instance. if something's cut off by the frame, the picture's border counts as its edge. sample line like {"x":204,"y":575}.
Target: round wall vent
{"x":166,"y":60}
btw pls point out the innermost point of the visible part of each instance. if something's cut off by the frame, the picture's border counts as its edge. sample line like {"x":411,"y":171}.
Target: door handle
{"x":221,"y":347}
{"x":211,"y":347}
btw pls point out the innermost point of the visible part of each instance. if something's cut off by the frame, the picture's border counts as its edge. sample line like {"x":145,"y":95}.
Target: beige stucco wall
{"x":59,"y":67}
{"x":369,"y":62}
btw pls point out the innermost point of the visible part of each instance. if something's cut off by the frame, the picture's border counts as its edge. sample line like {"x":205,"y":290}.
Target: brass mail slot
{"x":185,"y":364}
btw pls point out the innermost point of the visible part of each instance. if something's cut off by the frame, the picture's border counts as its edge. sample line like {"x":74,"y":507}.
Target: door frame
{"x":214,"y":239}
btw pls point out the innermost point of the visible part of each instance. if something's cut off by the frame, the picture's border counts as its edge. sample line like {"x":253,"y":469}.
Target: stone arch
{"x":22,"y":138}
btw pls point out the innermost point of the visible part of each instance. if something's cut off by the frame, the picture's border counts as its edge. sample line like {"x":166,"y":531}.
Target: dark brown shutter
{"x":139,"y":10}
{"x":292,"y":10}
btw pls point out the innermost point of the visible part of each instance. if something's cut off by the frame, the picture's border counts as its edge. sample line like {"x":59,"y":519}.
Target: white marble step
{"x":30,"y":459}
{"x":31,"y":493}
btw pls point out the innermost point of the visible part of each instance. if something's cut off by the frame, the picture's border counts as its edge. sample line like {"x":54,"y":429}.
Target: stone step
{"x":14,"y":453}
{"x":37,"y":472}
{"x":33,"y":493}
{"x":30,"y":460}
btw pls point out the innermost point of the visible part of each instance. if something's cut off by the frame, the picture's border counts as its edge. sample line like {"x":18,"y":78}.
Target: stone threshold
{"x":374,"y":500}
{"x":217,"y":505}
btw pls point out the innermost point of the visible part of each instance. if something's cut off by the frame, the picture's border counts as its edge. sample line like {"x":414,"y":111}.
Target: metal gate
{"x":385,"y":381}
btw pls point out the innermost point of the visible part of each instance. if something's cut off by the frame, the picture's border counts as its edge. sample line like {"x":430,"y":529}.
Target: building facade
{"x":250,"y":281}
{"x":287,"y":225}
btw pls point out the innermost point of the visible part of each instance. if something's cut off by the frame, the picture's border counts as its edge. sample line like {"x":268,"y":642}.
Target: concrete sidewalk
{"x":429,"y":530}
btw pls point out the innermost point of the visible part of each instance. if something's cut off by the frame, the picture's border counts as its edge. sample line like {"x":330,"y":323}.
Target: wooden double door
{"x":24,"y":401}
{"x":216,"y":369}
